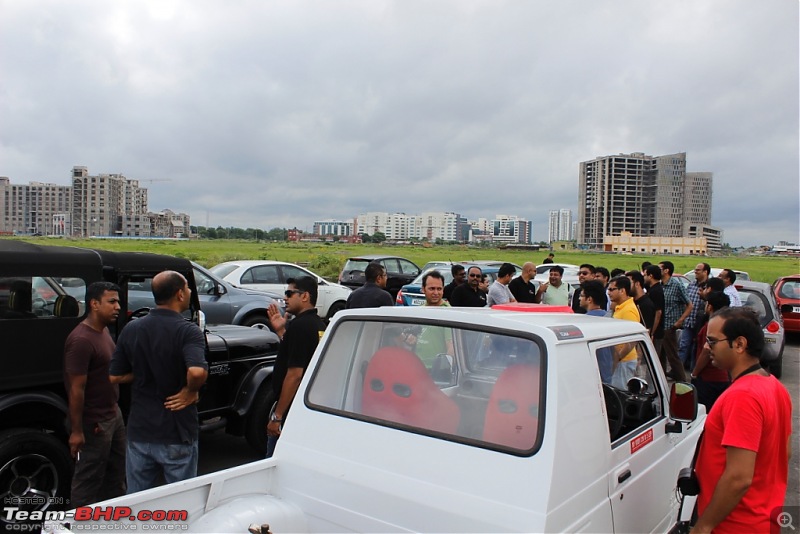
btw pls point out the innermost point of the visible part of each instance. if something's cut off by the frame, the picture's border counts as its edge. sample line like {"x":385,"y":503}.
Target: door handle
{"x":625,"y":475}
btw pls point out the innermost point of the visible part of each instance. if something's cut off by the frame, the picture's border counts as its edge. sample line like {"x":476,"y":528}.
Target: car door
{"x":394,"y":277}
{"x":409,"y":270}
{"x":214,"y":300}
{"x":643,"y":462}
{"x":265,"y":278}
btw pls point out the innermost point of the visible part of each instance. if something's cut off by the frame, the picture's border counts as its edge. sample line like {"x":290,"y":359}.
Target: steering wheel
{"x":138,"y":314}
{"x":614,"y":410}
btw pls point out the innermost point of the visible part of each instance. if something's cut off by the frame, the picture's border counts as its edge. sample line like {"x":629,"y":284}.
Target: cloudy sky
{"x":258,"y":113}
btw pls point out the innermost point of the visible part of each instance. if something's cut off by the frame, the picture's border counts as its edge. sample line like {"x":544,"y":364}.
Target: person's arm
{"x":76,"y":391}
{"x":656,"y":322}
{"x":121,"y":379}
{"x":732,"y":485}
{"x":703,"y":359}
{"x":190,"y":393}
{"x":682,"y":318}
{"x":288,"y":390}
{"x":541,"y":291}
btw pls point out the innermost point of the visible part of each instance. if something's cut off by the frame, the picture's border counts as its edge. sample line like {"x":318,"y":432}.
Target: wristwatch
{"x":275,"y":418}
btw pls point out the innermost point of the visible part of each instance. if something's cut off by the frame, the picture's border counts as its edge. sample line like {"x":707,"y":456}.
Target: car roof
{"x":372,"y":257}
{"x":250,"y":263}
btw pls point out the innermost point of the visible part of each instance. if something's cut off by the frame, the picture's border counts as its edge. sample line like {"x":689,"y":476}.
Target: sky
{"x":262,"y":114}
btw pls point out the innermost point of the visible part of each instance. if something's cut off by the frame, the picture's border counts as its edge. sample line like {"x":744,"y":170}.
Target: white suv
{"x":271,"y":276}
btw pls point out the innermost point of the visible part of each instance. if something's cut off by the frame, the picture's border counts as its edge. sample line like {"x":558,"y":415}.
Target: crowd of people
{"x":701,"y":333}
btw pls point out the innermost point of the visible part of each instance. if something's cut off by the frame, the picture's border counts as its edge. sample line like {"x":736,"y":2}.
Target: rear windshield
{"x":790,"y":289}
{"x":356,"y":265}
{"x":454,"y":383}
{"x":758,"y":303}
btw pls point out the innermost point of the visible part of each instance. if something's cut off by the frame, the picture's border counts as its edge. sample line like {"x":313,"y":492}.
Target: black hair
{"x":718,"y":300}
{"x":96,"y":289}
{"x":623,"y":282}
{"x":668,"y":266}
{"x":645,"y":265}
{"x":636,"y":276}
{"x":715,"y":284}
{"x":505,"y":270}
{"x":480,"y":271}
{"x":742,"y":322}
{"x":307,"y":284}
{"x":167,"y":286}
{"x":706,"y":268}
{"x":594,"y":290}
{"x":617,"y":272}
{"x":603,"y":271}
{"x":559,"y":269}
{"x":373,"y":271}
{"x":455,"y":269}
{"x":588,"y":266}
{"x":432,"y":274}
{"x":730,"y":275}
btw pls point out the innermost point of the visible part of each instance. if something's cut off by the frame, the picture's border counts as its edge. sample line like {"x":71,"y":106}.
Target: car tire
{"x":257,"y":418}
{"x":775,"y":368}
{"x":335,"y":308}
{"x":257,"y":320}
{"x":38,"y":465}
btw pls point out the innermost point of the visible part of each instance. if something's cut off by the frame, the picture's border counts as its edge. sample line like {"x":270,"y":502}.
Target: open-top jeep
{"x":42,"y":294}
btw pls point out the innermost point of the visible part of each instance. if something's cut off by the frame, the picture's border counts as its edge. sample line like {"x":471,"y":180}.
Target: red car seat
{"x":398,"y":388}
{"x":512,"y":417}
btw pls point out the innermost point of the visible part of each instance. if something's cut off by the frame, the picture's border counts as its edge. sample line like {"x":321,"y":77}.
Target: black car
{"x":41,"y":301}
{"x":399,"y":271}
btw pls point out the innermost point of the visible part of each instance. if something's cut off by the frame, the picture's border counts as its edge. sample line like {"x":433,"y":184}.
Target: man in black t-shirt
{"x":459,"y":278}
{"x":299,"y":340}
{"x":522,"y":286}
{"x":469,"y":294}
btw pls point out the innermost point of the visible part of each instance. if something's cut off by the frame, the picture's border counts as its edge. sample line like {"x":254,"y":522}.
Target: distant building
{"x":35,"y":208}
{"x":446,"y":226}
{"x":511,"y":229}
{"x":560,"y":225}
{"x":643,"y":195}
{"x":333,"y":227}
{"x":627,"y":242}
{"x":101,"y":205}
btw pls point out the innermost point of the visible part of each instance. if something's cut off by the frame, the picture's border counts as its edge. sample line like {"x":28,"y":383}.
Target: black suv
{"x":399,"y":271}
{"x":42,"y":293}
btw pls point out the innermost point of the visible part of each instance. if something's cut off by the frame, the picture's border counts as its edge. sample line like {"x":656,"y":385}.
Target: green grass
{"x":327,"y":259}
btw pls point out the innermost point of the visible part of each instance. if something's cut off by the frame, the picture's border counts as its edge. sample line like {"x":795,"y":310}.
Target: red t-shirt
{"x":710,"y":373}
{"x":754,"y":413}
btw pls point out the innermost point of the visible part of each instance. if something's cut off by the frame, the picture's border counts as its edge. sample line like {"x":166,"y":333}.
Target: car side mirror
{"x":683,"y":402}
{"x":221,"y":290}
{"x":201,"y":320}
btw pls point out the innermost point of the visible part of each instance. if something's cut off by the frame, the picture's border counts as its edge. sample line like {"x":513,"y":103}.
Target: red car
{"x":787,"y":292}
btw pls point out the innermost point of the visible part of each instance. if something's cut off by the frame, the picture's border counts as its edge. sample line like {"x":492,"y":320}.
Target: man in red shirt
{"x":743,"y":463}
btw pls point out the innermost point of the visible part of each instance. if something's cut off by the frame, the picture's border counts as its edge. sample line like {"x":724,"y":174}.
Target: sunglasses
{"x":290,"y":292}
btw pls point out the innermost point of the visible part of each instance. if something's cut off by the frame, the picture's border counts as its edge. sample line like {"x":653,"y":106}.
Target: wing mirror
{"x":682,"y":405}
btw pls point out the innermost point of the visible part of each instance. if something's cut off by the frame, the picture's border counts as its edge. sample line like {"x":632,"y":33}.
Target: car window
{"x":790,"y":289}
{"x":205,"y":284}
{"x":356,"y":265}
{"x":758,"y":303}
{"x":480,"y":388}
{"x":391,"y":265}
{"x":630,"y":392}
{"x":291,"y":271}
{"x":262,"y":274}
{"x":406,"y":267}
{"x":222,"y":271}
{"x":41,"y":297}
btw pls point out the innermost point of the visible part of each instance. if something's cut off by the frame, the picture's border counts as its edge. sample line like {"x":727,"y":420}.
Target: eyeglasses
{"x":711,"y":342}
{"x":290,"y":292}
{"x":472,"y":275}
{"x":613,"y":288}
{"x":584,"y":273}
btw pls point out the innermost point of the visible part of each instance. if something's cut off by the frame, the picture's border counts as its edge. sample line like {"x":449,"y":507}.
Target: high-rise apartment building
{"x":34,"y":208}
{"x":560,"y":225}
{"x":641,"y":194}
{"x":100,"y":204}
{"x":511,"y":229}
{"x":446,"y":226}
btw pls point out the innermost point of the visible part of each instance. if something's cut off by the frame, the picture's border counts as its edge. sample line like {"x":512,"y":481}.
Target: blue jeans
{"x":146,"y":462}
{"x":686,"y":347}
{"x":271,"y":442}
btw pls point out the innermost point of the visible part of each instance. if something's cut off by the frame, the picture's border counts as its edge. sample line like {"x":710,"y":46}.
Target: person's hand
{"x":543,"y":287}
{"x":182,"y":399}
{"x":274,"y":428}
{"x":277,"y":321}
{"x":76,"y":441}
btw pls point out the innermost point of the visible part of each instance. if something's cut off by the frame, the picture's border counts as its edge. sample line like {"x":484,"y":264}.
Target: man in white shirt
{"x":729,"y":277}
{"x":555,"y":292}
{"x":498,"y":291}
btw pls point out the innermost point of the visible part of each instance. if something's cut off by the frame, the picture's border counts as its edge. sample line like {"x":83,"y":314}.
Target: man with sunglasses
{"x":299,"y":340}
{"x":470,"y":294}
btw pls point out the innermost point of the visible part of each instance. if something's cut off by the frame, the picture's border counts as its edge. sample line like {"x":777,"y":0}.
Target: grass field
{"x":327,"y":259}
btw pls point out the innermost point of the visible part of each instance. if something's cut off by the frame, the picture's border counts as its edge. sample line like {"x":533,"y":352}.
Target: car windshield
{"x":444,"y":271}
{"x":449,"y":382}
{"x":221,"y":271}
{"x":790,"y":289}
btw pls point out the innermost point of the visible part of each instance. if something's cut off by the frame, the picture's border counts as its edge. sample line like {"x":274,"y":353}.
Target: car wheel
{"x":257,"y":418}
{"x":335,"y":308}
{"x":776,"y":368}
{"x":35,"y":468}
{"x":257,"y":321}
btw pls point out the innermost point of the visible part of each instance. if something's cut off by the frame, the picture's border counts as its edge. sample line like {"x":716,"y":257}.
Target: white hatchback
{"x":271,"y":276}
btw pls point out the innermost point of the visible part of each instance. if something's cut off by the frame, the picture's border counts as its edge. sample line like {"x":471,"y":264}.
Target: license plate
{"x":417,"y":302}
{"x":796,"y":309}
